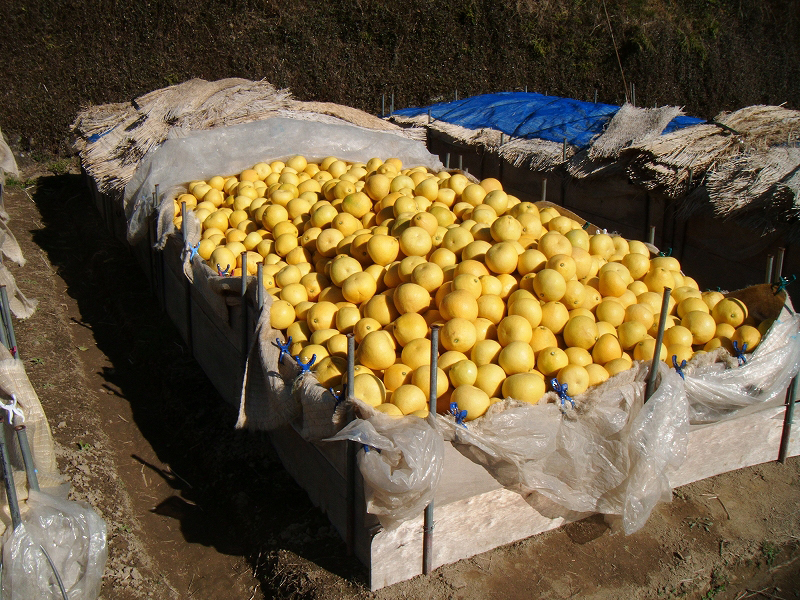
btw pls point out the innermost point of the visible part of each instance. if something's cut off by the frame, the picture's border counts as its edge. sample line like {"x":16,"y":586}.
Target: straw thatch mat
{"x":112,"y":138}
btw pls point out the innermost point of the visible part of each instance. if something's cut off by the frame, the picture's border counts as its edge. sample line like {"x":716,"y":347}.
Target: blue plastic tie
{"x":679,"y":367}
{"x":284,"y":348}
{"x":367,"y":448}
{"x":338,"y":397}
{"x":305,"y":367}
{"x":739,"y":353}
{"x":561,"y":390}
{"x":782,"y":283}
{"x":223,"y":273}
{"x":460,"y":415}
{"x":586,"y":226}
{"x":667,"y":253}
{"x":96,"y":136}
{"x":193,"y":252}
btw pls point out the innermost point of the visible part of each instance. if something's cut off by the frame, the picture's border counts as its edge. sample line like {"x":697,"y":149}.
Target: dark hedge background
{"x":706,"y":55}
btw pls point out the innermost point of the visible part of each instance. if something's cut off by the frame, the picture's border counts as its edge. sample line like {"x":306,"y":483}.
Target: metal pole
{"x":383,"y":104}
{"x":9,"y":325}
{"x":245,"y":323}
{"x":429,"y":115}
{"x":391,"y":106}
{"x":779,"y":264}
{"x":788,"y":418}
{"x":651,"y":235}
{"x":427,"y":528}
{"x":564,"y":151}
{"x":4,"y":328}
{"x":595,"y":95}
{"x":8,"y":477}
{"x":447,"y":160}
{"x":350,"y":464}
{"x":544,"y":189}
{"x":27,"y":457}
{"x":662,"y":320}
{"x":633,"y":94}
{"x":460,"y":162}
{"x":260,"y":286}
{"x":770,"y":262}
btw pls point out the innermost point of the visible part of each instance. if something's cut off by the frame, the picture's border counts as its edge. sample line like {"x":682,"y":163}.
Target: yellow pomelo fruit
{"x":554,"y":316}
{"x":329,"y":370}
{"x":396,"y":375}
{"x":416,"y":353}
{"x":551,"y":360}
{"x":456,"y":239}
{"x":376,"y":351}
{"x":746,"y":334}
{"x":575,"y":377}
{"x":701,"y":325}
{"x":281,"y":314}
{"x":654,"y":300}
{"x":410,"y":297}
{"x":640,"y":312}
{"x":717,"y":342}
{"x":531,"y":261}
{"x":542,"y":338}
{"x":549,"y":285}
{"x":294,"y":293}
{"x":604,"y":327}
{"x":578,"y":356}
{"x":574,"y":295}
{"x":638,"y":288}
{"x":617,"y":365}
{"x":408,"y":327}
{"x":459,"y":303}
{"x":368,"y":388}
{"x":491,"y":307}
{"x":498,"y":200}
{"x":669,"y":323}
{"x":517,"y":357}
{"x":579,"y":238}
{"x":561,"y":224}
{"x":421,"y":377}
{"x":514,"y":328}
{"x":473,"y":194}
{"x":443,"y":257}
{"x":321,"y":316}
{"x":685,"y":291}
{"x":525,"y":387}
{"x":505,"y":229}
{"x":681,"y":352}
{"x":407,"y":266}
{"x":678,"y":335}
{"x":552,"y":243}
{"x":484,"y":328}
{"x":458,"y":334}
{"x":724,"y":330}
{"x":365,"y":326}
{"x":298,"y":331}
{"x":645,"y":350}
{"x":222,"y":258}
{"x":564,"y":264}
{"x":658,"y":278}
{"x":471,"y":267}
{"x":637,"y":264}
{"x":611,"y":311}
{"x":490,"y":379}
{"x":611,"y":283}
{"x":415,"y":241}
{"x":381,"y":308}
{"x":729,"y":310}
{"x":689,"y":304}
{"x":530,"y":308}
{"x":464,"y":372}
{"x":711,"y":298}
{"x":387,"y":408}
{"x":471,"y":399}
{"x":597,"y":374}
{"x":490,"y":285}
{"x":485,"y":352}
{"x":580,"y":331}
{"x":606,"y":349}
{"x":468,"y":282}
{"x":321,"y":336}
{"x":502,"y":257}
{"x":602,"y":245}
{"x":409,"y":398}
{"x":359,"y":287}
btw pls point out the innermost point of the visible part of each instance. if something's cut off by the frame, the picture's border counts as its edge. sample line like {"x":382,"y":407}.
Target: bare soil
{"x":196,"y":509}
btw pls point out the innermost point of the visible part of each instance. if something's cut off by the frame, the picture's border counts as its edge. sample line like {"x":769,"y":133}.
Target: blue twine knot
{"x":739,"y":352}
{"x":667,"y":253}
{"x":284,"y":348}
{"x":193,"y":252}
{"x":782,"y":283}
{"x":679,"y":367}
{"x":225,"y":272}
{"x":561,"y":390}
{"x":338,"y":397}
{"x":460,"y":415}
{"x":305,"y":367}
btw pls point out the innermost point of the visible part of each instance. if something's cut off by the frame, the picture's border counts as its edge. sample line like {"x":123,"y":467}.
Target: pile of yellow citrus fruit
{"x":522,"y":295}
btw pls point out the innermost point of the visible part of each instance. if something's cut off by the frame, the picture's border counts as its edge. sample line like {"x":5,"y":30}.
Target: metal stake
{"x":8,"y":477}
{"x":391,"y":106}
{"x":633,"y":94}
{"x":383,"y":104}
{"x":350,"y":464}
{"x":260,"y":286}
{"x":427,"y":528}
{"x":564,"y":151}
{"x":651,"y":235}
{"x":791,"y":399}
{"x":460,"y":162}
{"x":779,"y":264}
{"x":662,"y":320}
{"x":27,"y":457}
{"x":447,"y":160}
{"x":8,"y":324}
{"x":544,"y":189}
{"x":595,"y":95}
{"x":245,"y":323}
{"x":770,"y":262}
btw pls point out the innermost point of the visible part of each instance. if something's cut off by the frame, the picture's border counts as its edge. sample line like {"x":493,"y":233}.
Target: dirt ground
{"x":196,"y":509}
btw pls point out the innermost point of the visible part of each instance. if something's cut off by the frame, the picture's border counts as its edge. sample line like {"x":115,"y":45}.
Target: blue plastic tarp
{"x":532,"y":116}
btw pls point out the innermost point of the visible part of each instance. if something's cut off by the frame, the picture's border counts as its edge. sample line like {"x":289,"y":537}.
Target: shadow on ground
{"x":241,"y":501}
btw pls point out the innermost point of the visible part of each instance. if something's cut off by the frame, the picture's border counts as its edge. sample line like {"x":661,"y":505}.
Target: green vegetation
{"x":705,"y":55}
